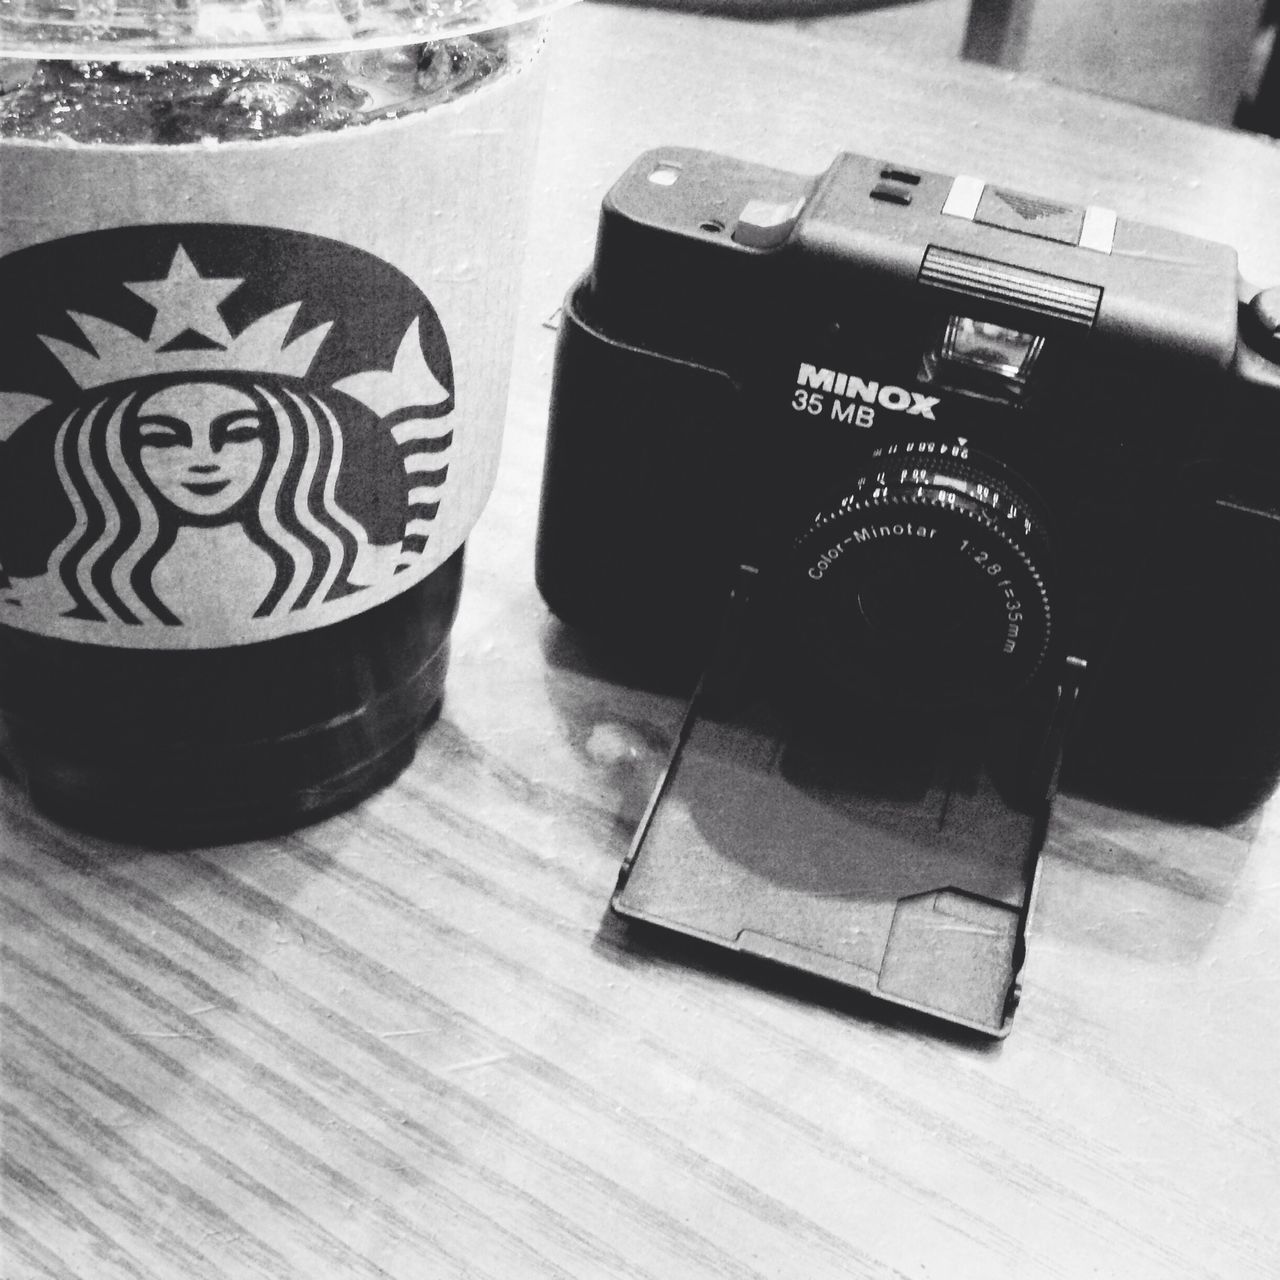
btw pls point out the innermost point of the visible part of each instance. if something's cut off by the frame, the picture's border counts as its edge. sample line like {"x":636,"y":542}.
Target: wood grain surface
{"x":411,"y":1042}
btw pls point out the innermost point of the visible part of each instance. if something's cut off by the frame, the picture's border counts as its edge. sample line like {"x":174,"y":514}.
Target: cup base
{"x":205,"y":747}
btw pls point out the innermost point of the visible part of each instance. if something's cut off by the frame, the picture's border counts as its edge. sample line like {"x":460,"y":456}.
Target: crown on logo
{"x":187,"y":306}
{"x":186,"y":302}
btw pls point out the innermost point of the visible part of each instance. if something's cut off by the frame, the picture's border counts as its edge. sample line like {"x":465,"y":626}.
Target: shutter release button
{"x":765,"y":224}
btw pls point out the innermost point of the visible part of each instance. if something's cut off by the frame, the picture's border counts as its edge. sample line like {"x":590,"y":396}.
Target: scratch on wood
{"x":472,"y":1063}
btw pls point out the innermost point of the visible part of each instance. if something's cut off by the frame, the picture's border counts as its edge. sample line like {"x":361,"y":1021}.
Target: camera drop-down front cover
{"x":886,"y":848}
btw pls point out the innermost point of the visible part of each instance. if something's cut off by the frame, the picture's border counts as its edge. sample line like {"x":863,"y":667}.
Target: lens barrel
{"x":929,"y":581}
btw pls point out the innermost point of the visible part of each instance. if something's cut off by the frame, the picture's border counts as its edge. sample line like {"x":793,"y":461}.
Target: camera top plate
{"x":680,"y":221}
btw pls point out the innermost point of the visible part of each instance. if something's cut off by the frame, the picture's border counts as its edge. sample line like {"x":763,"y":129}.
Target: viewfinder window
{"x":991,"y":349}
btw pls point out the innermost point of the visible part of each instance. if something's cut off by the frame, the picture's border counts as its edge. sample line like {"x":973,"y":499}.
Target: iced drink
{"x":257,"y":311}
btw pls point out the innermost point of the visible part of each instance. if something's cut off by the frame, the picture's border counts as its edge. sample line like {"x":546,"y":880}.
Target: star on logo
{"x":184,"y":300}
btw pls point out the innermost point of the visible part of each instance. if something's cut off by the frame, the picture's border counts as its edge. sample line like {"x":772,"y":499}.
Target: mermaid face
{"x":201,"y":445}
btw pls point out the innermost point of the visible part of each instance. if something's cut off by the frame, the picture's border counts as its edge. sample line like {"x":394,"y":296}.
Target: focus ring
{"x":929,"y":578}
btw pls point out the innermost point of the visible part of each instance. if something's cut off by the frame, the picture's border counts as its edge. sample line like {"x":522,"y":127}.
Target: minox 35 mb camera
{"x":944,"y":488}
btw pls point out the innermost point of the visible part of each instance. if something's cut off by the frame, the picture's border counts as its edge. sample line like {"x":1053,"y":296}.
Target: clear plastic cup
{"x":258,"y":273}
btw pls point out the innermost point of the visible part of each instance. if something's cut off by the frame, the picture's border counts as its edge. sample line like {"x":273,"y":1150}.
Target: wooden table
{"x":412,"y":1042}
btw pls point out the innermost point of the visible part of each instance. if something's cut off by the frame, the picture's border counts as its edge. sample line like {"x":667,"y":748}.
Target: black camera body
{"x":751,"y":347}
{"x":969,"y":474}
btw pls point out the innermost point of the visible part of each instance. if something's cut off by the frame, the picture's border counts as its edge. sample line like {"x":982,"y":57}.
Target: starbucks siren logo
{"x":238,"y":455}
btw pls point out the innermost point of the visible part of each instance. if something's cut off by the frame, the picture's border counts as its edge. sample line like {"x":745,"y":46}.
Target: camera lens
{"x":929,"y":580}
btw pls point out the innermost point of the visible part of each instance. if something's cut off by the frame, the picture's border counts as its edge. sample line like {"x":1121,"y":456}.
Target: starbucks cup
{"x":258,"y":276}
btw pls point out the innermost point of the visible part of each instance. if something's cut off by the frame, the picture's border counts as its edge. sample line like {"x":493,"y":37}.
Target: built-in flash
{"x":665,"y":175}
